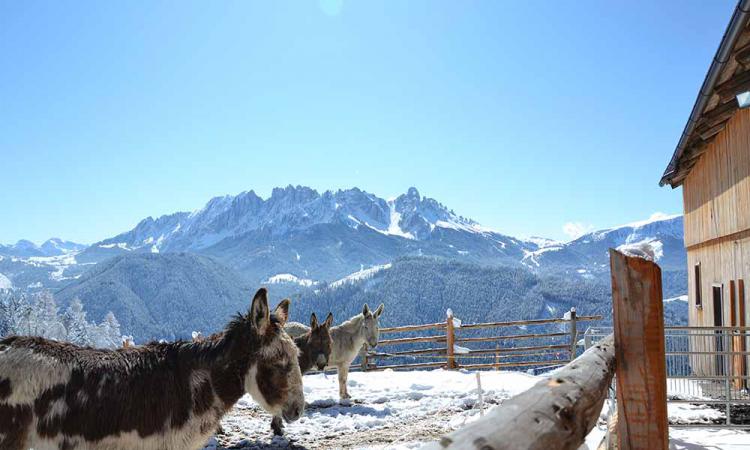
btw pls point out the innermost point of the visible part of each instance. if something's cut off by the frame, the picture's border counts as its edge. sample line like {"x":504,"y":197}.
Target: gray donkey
{"x":348,"y":339}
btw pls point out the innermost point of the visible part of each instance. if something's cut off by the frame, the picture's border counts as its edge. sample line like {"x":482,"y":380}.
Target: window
{"x":698,"y":299}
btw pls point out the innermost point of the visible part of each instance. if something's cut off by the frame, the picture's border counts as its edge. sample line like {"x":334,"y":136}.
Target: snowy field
{"x":401,"y":410}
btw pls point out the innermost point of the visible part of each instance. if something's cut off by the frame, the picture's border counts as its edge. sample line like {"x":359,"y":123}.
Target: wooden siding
{"x":727,"y":264}
{"x":719,"y":264}
{"x":716,"y":194}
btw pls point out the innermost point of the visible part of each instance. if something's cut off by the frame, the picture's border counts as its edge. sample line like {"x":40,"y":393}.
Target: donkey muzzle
{"x":293,"y":412}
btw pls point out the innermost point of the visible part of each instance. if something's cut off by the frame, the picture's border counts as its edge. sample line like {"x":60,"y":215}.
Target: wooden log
{"x":556,"y":413}
{"x":409,"y":328}
{"x":411,"y":340}
{"x":419,"y":351}
{"x":639,"y":337}
{"x":511,"y":337}
{"x":520,"y":349}
{"x":525,"y":322}
{"x":548,"y":362}
{"x":412,"y":366}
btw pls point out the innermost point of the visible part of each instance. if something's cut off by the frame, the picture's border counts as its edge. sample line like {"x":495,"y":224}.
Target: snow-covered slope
{"x":662,"y":233}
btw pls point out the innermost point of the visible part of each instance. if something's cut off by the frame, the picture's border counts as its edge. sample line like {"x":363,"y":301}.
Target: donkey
{"x":314,"y":345}
{"x":348,"y":339}
{"x":158,"y":396}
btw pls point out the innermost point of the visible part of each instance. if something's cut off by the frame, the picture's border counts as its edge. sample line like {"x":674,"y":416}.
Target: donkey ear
{"x":366,"y":310}
{"x":313,"y":321}
{"x":282,"y":311}
{"x":378,"y":311}
{"x":329,"y":320}
{"x":260,"y":316}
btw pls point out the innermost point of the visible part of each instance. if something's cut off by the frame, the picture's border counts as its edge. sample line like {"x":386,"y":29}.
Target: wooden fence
{"x":493,"y":345}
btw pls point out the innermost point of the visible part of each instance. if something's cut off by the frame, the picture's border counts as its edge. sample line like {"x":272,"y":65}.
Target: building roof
{"x":728,"y":75}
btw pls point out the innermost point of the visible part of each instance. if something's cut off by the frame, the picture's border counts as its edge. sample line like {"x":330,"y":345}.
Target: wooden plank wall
{"x":716,"y":193}
{"x":719,"y":264}
{"x":726,"y":264}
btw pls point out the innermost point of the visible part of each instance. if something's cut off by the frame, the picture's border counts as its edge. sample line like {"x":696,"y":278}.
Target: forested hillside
{"x":420,"y":290}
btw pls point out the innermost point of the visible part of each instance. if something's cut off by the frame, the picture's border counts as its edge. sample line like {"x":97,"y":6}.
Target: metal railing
{"x":707,"y":374}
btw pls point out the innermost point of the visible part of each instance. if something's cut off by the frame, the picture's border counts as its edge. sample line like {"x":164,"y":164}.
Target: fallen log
{"x":556,"y":413}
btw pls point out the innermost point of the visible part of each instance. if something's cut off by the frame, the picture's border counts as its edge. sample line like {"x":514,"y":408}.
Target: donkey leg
{"x":277,"y":425}
{"x":343,"y":375}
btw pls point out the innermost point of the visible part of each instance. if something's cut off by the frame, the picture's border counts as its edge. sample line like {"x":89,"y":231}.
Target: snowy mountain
{"x":162,"y":275}
{"x":313,"y":236}
{"x":50,"y":247}
{"x":590,"y":252}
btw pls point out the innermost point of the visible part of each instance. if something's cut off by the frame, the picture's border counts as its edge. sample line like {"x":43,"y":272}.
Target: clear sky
{"x":523,"y":115}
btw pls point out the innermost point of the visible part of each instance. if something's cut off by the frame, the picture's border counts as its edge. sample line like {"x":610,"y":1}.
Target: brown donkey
{"x":314,"y":350}
{"x":154,"y":397}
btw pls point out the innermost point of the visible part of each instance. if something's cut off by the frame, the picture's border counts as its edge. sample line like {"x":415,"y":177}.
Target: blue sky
{"x":523,"y":115}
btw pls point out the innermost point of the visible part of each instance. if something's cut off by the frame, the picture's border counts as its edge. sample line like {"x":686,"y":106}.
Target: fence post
{"x":573,"y":333}
{"x":639,"y":346}
{"x":363,"y":355}
{"x":450,"y":338}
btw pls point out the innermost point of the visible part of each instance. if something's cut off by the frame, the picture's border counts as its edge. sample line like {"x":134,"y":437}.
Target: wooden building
{"x":712,"y":164}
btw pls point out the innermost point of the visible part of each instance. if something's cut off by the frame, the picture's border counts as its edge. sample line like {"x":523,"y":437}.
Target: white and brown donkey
{"x":348,"y":339}
{"x":57,"y":396}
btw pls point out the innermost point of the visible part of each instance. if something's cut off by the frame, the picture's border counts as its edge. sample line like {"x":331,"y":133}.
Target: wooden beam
{"x":720,"y":114}
{"x":511,"y":337}
{"x":708,"y":133}
{"x":411,"y":340}
{"x":639,"y":342}
{"x":742,"y":55}
{"x":736,"y":84}
{"x":526,"y":322}
{"x":407,"y":328}
{"x":556,"y":413}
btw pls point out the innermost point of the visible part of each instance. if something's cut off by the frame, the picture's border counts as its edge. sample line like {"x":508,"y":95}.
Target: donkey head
{"x":370,"y":326}
{"x":320,"y":340}
{"x":275,"y":381}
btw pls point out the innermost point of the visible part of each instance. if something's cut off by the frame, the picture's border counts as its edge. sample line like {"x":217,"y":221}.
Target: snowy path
{"x":390,"y":409}
{"x":398,"y":410}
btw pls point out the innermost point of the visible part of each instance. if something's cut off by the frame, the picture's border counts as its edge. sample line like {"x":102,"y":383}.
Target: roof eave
{"x":734,"y":29}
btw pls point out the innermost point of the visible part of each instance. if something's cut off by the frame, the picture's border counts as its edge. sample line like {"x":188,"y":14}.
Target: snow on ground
{"x":289,"y":278}
{"x":360,"y":275}
{"x":389,"y":410}
{"x":404,"y":410}
{"x":709,"y":439}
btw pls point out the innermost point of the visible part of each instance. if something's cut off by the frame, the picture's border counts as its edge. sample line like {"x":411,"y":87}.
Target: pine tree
{"x":45,"y":320}
{"x":75,"y":323}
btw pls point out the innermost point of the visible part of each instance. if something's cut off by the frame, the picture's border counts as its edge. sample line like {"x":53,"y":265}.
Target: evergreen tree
{"x":75,"y":323}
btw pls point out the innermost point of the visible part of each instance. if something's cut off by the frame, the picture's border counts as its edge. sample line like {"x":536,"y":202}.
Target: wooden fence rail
{"x":542,"y":348}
